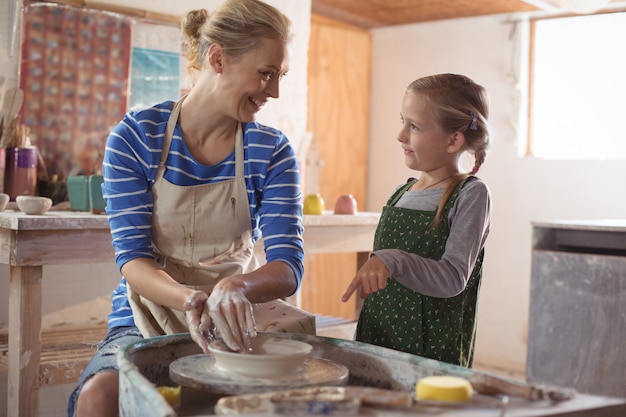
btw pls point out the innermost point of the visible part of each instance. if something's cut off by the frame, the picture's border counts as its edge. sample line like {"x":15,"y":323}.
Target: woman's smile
{"x":257,"y":103}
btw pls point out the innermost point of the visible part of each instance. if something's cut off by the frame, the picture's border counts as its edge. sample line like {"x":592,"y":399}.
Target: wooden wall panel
{"x":338,"y":114}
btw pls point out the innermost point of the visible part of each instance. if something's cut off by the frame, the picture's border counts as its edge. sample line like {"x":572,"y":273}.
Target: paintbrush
{"x":13,"y":101}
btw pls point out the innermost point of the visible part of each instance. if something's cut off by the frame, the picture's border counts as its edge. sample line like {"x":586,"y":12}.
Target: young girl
{"x":422,"y":281}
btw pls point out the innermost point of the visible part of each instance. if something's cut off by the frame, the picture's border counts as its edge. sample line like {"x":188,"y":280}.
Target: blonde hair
{"x":458,"y":104}
{"x":237,"y":26}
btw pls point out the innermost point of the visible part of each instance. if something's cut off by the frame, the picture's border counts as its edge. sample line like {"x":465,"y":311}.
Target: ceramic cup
{"x":4,"y":200}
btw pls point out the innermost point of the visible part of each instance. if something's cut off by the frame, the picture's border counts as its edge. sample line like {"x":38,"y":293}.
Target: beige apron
{"x":201,"y":234}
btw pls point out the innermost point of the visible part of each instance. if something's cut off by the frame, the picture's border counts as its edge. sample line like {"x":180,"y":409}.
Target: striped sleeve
{"x":272,"y":168}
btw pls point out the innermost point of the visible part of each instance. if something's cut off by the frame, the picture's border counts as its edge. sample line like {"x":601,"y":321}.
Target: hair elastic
{"x":475,"y":169}
{"x":473,"y":126}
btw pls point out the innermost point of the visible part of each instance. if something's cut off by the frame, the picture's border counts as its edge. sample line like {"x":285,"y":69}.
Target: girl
{"x":422,"y":280}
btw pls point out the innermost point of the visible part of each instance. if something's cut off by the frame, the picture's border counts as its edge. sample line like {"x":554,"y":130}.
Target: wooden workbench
{"x":27,"y":243}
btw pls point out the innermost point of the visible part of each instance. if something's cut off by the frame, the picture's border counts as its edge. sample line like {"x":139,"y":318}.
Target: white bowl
{"x":30,"y":204}
{"x":270,"y":357}
{"x":4,"y":200}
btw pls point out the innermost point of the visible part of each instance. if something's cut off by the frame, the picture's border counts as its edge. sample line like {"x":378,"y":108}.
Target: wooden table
{"x":27,"y":243}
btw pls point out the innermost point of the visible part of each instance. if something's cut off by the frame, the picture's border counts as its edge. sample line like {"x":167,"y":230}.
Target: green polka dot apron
{"x":402,"y":319}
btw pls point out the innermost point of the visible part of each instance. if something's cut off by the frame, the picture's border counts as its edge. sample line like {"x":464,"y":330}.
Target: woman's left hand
{"x":231,"y":312}
{"x":370,"y":278}
{"x":198,"y":320}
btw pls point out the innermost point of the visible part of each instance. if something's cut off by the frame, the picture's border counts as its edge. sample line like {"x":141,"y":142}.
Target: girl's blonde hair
{"x":458,"y":104}
{"x":237,"y":26}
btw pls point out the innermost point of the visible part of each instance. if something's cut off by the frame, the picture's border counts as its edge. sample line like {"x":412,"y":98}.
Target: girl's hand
{"x":198,"y":319}
{"x":370,"y":278}
{"x":231,"y":311}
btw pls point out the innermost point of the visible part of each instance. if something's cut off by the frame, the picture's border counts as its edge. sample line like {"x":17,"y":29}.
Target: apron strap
{"x":169,"y":133}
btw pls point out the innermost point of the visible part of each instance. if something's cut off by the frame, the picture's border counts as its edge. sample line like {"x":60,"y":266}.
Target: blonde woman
{"x":189,"y":187}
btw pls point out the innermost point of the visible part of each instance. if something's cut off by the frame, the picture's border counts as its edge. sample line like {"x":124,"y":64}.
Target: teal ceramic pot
{"x":78,"y":192}
{"x":96,"y":201}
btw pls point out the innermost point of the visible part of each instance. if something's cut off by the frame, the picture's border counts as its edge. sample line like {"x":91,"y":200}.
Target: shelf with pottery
{"x":28,"y":242}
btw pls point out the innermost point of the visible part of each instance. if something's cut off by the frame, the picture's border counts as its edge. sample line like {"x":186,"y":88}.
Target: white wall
{"x":289,"y":112}
{"x":524,"y":189}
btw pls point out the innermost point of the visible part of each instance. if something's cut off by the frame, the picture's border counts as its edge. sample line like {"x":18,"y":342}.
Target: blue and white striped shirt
{"x":131,"y":158}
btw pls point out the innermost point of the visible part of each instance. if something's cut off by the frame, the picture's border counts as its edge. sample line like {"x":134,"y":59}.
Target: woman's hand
{"x":231,"y":311}
{"x":370,"y":278}
{"x":198,"y":319}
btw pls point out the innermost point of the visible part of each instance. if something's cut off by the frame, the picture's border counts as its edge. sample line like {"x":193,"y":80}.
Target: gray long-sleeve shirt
{"x":469,"y":220}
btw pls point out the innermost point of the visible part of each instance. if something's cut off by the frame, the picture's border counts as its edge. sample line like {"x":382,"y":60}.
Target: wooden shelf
{"x":64,"y":353}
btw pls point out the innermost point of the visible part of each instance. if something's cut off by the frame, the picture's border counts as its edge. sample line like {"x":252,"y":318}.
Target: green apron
{"x":402,"y":319}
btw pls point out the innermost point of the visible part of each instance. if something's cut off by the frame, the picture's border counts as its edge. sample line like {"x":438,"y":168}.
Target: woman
{"x":189,"y":187}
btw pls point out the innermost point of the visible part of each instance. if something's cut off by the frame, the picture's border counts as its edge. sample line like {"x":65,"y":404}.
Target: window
{"x":578,"y":87}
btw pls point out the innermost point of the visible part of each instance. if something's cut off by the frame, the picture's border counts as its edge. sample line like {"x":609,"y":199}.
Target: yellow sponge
{"x":171,"y":395}
{"x":443,"y":388}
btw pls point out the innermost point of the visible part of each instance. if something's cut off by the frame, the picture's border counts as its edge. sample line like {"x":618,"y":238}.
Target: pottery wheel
{"x":200,"y":372}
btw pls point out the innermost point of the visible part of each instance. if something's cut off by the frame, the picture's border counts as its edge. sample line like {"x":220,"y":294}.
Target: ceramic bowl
{"x":4,"y":200}
{"x":30,"y":204}
{"x":269,"y":357}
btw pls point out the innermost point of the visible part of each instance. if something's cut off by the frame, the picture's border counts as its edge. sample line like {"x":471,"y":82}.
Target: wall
{"x":8,"y":47}
{"x":288,"y":113}
{"x":338,"y":115}
{"x":524,"y":189}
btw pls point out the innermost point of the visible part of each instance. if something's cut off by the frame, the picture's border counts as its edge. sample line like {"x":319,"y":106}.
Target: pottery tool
{"x":13,"y":100}
{"x":494,"y":385}
{"x":489,"y":392}
{"x":341,"y":400}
